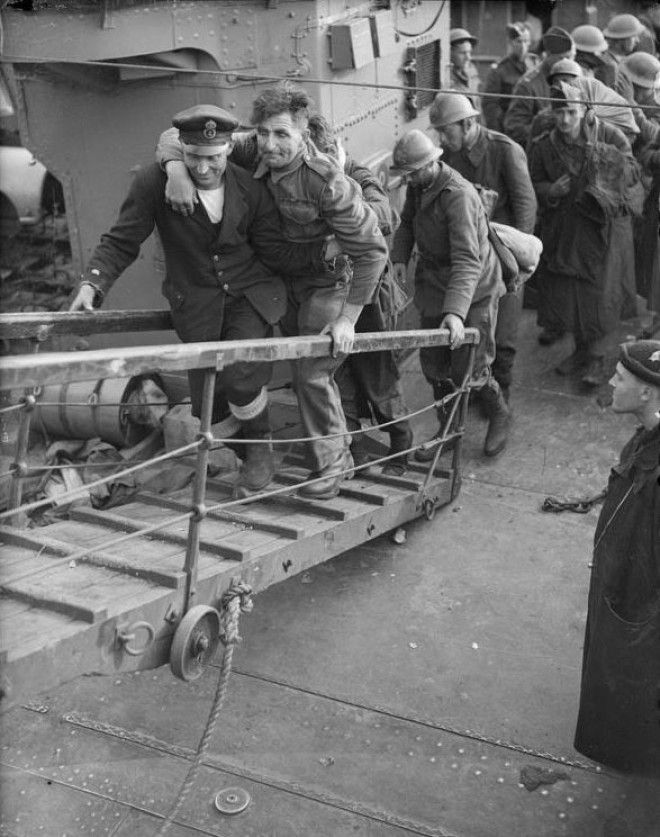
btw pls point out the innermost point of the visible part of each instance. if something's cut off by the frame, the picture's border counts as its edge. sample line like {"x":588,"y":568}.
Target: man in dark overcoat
{"x":619,"y":717}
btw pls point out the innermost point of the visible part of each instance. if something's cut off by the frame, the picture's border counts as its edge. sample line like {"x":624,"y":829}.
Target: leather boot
{"x":440,"y":390}
{"x":401,"y":438}
{"x":257,"y":468}
{"x":327,"y":488}
{"x":499,"y":419}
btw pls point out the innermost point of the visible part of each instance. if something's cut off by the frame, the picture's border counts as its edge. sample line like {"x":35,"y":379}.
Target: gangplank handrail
{"x":18,"y":371}
{"x":39,"y":325}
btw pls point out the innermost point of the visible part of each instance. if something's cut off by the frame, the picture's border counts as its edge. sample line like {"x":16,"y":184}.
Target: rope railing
{"x":251,"y":78}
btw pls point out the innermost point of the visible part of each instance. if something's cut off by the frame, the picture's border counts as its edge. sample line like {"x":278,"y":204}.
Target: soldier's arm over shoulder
{"x":520,"y":187}
{"x":168,"y":147}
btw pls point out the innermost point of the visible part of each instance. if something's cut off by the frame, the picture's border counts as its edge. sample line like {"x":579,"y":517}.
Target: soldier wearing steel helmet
{"x":503,"y":76}
{"x":644,"y":72}
{"x":458,"y":279}
{"x":591,"y":53}
{"x":464,"y":75}
{"x":623,"y":34}
{"x":490,"y":160}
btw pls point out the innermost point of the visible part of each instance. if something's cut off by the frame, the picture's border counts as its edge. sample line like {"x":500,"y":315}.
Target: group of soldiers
{"x":587,"y":114}
{"x":279,"y":226}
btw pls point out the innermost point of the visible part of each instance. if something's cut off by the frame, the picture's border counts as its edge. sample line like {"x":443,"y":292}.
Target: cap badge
{"x":655,"y":357}
{"x":210,"y":129}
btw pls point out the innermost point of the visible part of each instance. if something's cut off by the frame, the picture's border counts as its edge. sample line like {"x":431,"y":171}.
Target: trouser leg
{"x":319,"y":401}
{"x":506,"y":339}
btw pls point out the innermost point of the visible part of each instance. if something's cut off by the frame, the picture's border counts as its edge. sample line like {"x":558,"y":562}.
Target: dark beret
{"x":204,"y":125}
{"x":642,"y":358}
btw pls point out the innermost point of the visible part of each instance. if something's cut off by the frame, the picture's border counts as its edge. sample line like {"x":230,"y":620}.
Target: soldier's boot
{"x":440,"y":390}
{"x":401,"y":439}
{"x":329,"y":479}
{"x":499,"y":419}
{"x":258,"y":467}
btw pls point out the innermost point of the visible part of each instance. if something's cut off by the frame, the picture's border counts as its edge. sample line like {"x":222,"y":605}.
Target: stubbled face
{"x":451,"y":136}
{"x":422,"y":178}
{"x":519,"y":47}
{"x":626,"y":397}
{"x":279,"y":139}
{"x":646,"y":95}
{"x":461,"y":54}
{"x":206,"y":169}
{"x":568,"y":120}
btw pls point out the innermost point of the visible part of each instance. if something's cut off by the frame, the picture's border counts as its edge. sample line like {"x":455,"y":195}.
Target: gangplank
{"x":131,"y":588}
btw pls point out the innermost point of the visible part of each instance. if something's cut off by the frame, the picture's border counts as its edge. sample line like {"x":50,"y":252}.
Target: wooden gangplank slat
{"x":248,"y":521}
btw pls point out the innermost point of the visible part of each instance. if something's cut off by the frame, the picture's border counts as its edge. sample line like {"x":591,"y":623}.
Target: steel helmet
{"x":589,"y":39}
{"x":458,"y":35}
{"x":414,"y":151}
{"x":565,"y":67}
{"x":623,"y":26}
{"x":643,"y":69}
{"x":448,"y":108}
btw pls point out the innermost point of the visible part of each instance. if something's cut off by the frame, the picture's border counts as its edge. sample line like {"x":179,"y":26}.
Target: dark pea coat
{"x":619,"y":717}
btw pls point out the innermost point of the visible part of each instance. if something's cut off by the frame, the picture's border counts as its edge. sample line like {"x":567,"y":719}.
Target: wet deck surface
{"x":393,"y":690}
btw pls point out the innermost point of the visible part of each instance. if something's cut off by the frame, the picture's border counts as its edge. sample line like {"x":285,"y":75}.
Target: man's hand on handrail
{"x":84,"y":299}
{"x":456,"y":329}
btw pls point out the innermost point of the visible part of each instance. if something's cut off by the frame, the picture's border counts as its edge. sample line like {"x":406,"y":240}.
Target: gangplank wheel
{"x":195,"y":641}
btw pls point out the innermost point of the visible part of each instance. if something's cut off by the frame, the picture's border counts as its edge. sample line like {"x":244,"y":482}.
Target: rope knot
{"x":235,"y":600}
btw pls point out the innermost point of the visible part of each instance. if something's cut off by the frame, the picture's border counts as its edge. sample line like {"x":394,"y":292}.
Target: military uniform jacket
{"x":502,"y":78}
{"x":204,"y":262}
{"x":316,"y":199}
{"x":467,"y":80}
{"x":518,"y":118}
{"x":497,"y":162}
{"x":457,"y":265}
{"x":619,"y":718}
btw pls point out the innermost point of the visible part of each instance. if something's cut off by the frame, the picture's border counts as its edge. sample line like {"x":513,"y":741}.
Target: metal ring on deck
{"x":125,"y":635}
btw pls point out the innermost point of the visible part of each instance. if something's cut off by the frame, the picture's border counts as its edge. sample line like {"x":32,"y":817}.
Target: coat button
{"x":216,"y":258}
{"x":225,"y":287}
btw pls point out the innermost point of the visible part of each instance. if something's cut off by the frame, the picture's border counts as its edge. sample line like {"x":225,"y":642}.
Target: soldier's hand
{"x":180,"y":192}
{"x":400,"y":273}
{"x":561,"y":186}
{"x":84,"y":299}
{"x":342,"y":333}
{"x":332,"y":249}
{"x":456,"y":329}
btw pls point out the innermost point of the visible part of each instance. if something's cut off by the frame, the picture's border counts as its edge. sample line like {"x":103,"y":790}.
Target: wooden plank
{"x":355,"y":489}
{"x":328,"y":509}
{"x":61,"y":367}
{"x":35,"y":595}
{"x":218,"y":538}
{"x":44,"y":546}
{"x":42,"y":324}
{"x":253,"y":520}
{"x":83,"y":592}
